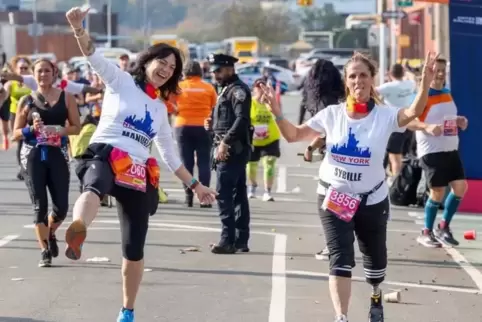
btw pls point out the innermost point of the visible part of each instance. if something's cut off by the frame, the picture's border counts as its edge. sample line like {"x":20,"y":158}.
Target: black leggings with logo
{"x":133,"y":207}
{"x":370,"y":227}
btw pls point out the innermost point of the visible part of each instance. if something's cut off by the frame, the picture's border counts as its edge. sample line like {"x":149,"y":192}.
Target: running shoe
{"x":53,"y":246}
{"x":252,"y":192}
{"x":75,"y":237}
{"x":427,"y":239}
{"x":46,"y":260}
{"x":445,"y":236}
{"x":323,"y":255}
{"x":268,"y":197}
{"x":376,"y":309}
{"x":162,"y":196}
{"x":342,"y":318}
{"x":125,"y":316}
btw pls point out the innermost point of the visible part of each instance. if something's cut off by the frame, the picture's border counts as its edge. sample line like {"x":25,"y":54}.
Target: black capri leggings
{"x":52,"y":173}
{"x":370,"y":226}
{"x":133,"y":207}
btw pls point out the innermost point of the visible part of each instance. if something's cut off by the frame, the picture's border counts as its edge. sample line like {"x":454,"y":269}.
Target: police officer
{"x":230,"y":124}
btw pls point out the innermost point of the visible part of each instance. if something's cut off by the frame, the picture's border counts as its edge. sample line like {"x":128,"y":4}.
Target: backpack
{"x":403,"y":191}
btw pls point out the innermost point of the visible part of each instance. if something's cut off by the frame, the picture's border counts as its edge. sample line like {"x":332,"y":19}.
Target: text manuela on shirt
{"x":139,"y":128}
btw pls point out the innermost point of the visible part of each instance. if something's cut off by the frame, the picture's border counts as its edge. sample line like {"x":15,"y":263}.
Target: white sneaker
{"x":323,"y":255}
{"x":251,"y":195}
{"x":267,"y":197}
{"x":341,"y":319}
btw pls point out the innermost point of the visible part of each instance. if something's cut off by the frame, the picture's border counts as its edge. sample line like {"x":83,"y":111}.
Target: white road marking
{"x":421,"y":215}
{"x":460,"y":259}
{"x":282,"y":179}
{"x":394,"y":283}
{"x":277,"y":308}
{"x":303,"y":175}
{"x":277,"y":311}
{"x":173,"y":192}
{"x":260,"y":224}
{"x":116,"y":228}
{"x":7,"y":239}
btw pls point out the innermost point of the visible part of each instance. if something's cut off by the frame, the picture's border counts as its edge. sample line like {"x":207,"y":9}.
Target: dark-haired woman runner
{"x":44,"y":153}
{"x":118,"y":162}
{"x":322,"y":87}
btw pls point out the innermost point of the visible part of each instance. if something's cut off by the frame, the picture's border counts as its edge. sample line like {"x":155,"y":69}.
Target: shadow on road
{"x":5,"y":319}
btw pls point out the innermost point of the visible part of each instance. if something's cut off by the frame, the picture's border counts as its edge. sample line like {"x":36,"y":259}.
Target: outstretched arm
{"x":108,"y":72}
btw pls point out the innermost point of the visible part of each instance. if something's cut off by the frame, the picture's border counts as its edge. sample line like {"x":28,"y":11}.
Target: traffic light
{"x":304,"y":3}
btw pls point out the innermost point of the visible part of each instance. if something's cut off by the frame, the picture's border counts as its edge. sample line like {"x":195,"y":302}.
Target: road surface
{"x":278,"y":281}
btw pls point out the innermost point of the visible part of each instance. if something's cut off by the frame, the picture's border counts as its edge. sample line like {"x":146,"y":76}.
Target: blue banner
{"x":465,"y":71}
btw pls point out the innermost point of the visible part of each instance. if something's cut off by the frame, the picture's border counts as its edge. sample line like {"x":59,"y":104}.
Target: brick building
{"x":57,"y":37}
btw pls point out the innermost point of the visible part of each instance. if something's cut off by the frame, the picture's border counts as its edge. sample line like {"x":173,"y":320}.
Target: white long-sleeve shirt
{"x":130,"y":119}
{"x":66,"y":85}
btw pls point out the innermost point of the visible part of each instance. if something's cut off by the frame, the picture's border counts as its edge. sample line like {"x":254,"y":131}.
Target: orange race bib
{"x":131,"y":174}
{"x":128,"y":173}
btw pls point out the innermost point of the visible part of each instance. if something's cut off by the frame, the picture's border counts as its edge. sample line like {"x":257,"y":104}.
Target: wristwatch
{"x":193,"y":184}
{"x":309,"y":148}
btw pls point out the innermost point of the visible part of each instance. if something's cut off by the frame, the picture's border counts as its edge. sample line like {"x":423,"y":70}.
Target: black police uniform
{"x":231,"y":123}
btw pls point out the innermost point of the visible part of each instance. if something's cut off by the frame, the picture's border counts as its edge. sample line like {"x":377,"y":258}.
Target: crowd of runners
{"x":104,"y":127}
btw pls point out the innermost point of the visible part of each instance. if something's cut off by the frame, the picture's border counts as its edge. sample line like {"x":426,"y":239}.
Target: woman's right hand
{"x":269,"y":98}
{"x":37,"y":124}
{"x":205,"y":195}
{"x":76,"y":16}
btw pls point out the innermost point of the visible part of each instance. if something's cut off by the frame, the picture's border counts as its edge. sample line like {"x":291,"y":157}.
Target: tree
{"x":273,"y":26}
{"x":321,"y":19}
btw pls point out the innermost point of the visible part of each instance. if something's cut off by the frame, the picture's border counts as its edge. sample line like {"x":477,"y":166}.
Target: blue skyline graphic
{"x":350,"y":148}
{"x":143,"y":125}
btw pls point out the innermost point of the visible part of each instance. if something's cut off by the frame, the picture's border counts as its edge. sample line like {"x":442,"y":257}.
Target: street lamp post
{"x":109,"y":23}
{"x":35,"y":27}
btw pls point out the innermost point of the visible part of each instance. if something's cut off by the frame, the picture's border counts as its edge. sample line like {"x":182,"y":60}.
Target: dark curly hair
{"x":159,"y":51}
{"x":324,"y":85}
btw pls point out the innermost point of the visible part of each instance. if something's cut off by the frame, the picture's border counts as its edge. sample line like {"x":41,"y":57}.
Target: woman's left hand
{"x":204,"y":194}
{"x":428,"y":72}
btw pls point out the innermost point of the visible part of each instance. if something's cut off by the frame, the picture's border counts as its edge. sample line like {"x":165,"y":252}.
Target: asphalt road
{"x":278,"y":281}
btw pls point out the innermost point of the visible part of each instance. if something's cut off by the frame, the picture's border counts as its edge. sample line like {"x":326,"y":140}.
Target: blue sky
{"x":349,"y":6}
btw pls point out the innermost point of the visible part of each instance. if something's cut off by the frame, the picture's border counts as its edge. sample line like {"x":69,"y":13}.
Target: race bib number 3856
{"x":342,"y":205}
{"x":133,"y":178}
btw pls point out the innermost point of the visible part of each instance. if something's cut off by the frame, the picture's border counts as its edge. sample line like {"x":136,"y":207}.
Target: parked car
{"x":277,"y":61}
{"x":248,"y":73}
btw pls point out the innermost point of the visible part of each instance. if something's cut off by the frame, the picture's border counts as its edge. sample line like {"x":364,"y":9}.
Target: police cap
{"x":221,"y":60}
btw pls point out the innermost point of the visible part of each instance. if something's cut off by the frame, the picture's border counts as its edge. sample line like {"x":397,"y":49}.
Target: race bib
{"x":133,"y":178}
{"x":342,"y":205}
{"x":45,"y":138}
{"x":260,"y":132}
{"x":450,"y":126}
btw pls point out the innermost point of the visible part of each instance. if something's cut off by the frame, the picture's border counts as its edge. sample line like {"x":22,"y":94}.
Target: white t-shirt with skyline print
{"x":355,"y":149}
